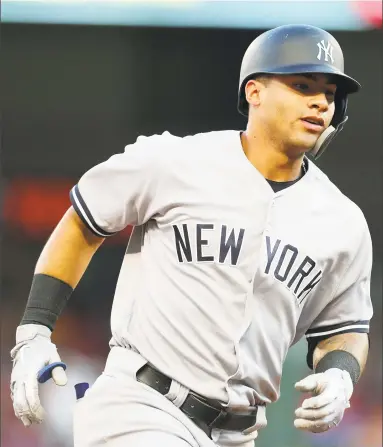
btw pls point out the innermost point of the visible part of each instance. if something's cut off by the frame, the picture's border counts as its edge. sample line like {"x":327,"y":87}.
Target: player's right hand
{"x":32,"y":352}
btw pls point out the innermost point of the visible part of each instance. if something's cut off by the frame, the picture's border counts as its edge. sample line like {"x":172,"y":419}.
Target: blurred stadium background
{"x":82,"y":79}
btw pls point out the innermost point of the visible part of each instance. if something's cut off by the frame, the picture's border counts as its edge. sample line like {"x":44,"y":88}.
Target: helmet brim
{"x":346,"y":83}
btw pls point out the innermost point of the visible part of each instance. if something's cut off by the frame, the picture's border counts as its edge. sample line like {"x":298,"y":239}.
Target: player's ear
{"x":253,"y":88}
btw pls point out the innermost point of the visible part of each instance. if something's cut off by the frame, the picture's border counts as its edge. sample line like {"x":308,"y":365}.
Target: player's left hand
{"x":331,"y":391}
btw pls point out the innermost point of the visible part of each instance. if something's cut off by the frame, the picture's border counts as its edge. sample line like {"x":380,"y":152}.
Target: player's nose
{"x":319,"y":102}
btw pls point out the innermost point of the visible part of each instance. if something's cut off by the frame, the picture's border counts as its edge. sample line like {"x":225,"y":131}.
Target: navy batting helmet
{"x":299,"y":49}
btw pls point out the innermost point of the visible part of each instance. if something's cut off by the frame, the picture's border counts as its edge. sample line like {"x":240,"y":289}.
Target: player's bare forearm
{"x":354,"y":343}
{"x":69,"y":250}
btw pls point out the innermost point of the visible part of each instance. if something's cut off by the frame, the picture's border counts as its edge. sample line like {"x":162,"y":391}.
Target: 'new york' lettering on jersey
{"x":229,"y":243}
{"x":300,"y":277}
{"x":218,"y":263}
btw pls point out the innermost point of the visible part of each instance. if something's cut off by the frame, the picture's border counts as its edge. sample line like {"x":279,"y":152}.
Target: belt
{"x":202,"y":411}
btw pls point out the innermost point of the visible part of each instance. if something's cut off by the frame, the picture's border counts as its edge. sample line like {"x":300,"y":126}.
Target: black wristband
{"x":47,"y":299}
{"x":341,"y":360}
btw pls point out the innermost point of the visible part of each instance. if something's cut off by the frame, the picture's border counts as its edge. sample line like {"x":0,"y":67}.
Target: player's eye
{"x":301,"y":86}
{"x":330,"y":95}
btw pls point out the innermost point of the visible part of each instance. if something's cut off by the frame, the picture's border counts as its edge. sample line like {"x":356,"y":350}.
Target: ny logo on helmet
{"x":327,"y":51}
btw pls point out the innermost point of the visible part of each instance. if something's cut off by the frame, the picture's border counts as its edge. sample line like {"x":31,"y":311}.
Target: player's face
{"x":296,"y":109}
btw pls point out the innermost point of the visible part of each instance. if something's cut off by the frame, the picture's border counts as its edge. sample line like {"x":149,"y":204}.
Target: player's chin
{"x":303,"y":144}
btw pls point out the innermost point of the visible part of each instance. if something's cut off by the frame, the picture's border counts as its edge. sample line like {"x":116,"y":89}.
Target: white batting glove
{"x":331,"y":391}
{"x":33,"y":351}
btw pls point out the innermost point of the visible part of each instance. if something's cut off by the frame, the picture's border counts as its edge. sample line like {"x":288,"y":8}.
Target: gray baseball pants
{"x":119,"y":411}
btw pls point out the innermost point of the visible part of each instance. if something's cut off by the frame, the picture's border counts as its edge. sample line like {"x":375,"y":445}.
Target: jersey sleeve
{"x":351,"y":308}
{"x":123,"y":190}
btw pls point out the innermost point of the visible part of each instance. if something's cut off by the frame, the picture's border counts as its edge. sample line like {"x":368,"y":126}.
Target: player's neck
{"x":269,"y":160}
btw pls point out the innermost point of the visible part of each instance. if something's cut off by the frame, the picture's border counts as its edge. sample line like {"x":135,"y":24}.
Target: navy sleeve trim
{"x":362,"y":326}
{"x":83,"y":211}
{"x":315,"y":336}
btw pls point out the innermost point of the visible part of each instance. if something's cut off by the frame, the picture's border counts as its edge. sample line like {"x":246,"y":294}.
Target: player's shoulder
{"x":153,"y":149}
{"x":331,"y":194}
{"x":157,"y":140}
{"x":168,"y":145}
{"x":214,"y":136}
{"x":166,"y":138}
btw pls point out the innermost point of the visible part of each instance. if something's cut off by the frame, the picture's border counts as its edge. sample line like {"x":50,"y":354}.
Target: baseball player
{"x":241,"y":246}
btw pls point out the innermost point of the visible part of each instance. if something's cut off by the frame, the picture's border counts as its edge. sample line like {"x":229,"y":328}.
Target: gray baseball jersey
{"x":222,"y":275}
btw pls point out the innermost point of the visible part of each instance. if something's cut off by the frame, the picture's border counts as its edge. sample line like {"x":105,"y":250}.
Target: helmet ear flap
{"x":325,"y":139}
{"x":340,"y":108}
{"x":338,"y":121}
